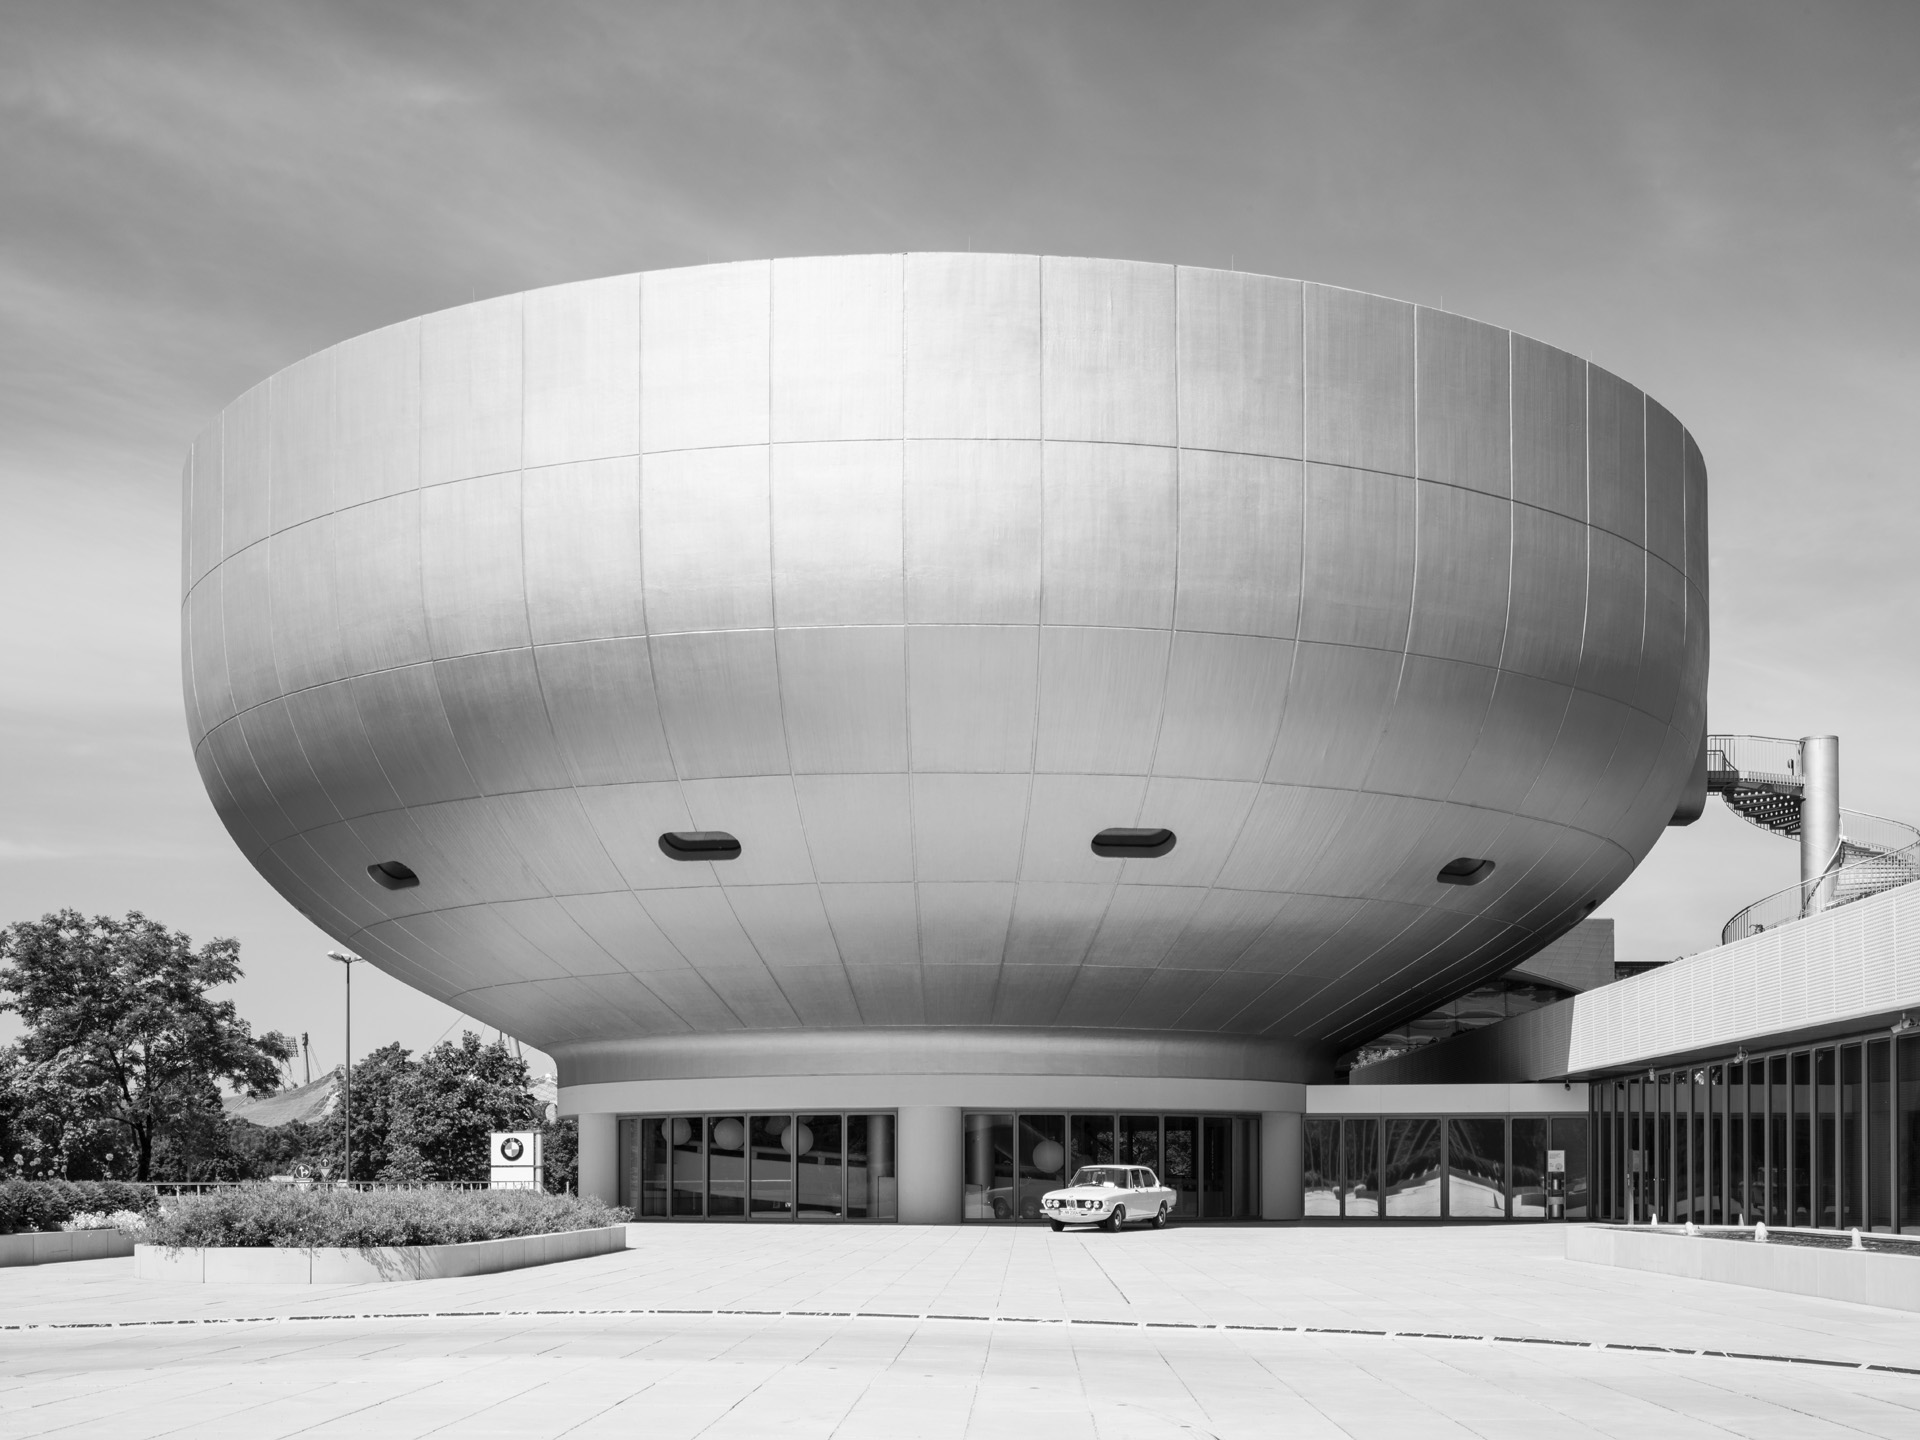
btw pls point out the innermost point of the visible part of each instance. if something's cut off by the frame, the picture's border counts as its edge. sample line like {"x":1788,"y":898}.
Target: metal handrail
{"x":1791,"y":902}
{"x":1876,"y":832}
{"x":1764,"y":756}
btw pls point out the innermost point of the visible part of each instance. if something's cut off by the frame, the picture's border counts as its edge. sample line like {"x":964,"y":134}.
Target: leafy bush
{"x":50,"y":1204}
{"x":134,"y":1222}
{"x":288,"y":1217}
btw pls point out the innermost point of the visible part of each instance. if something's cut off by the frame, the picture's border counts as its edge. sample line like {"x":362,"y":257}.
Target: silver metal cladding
{"x":906,"y":575}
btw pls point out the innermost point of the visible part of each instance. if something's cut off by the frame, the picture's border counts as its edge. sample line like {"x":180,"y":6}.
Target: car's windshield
{"x":1100,"y":1175}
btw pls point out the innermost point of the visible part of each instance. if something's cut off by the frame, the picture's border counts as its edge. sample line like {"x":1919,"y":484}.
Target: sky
{"x":1718,"y":201}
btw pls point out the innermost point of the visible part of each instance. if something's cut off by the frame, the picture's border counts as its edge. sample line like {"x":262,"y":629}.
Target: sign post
{"x":515,"y":1157}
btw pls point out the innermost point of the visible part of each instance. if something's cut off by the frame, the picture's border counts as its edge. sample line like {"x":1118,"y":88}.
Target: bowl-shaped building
{"x":722,"y":679}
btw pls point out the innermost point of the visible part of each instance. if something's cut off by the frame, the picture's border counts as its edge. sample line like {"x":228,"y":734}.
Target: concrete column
{"x":1283,"y":1193}
{"x":1819,"y":819}
{"x":600,"y":1157}
{"x":932,"y":1164}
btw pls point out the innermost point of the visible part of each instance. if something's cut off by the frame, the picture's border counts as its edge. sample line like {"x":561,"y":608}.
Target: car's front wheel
{"x":1160,"y":1220}
{"x":1118,"y":1218}
{"x":1057,"y":1226}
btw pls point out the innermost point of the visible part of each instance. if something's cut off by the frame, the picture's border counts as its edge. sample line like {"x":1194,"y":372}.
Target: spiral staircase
{"x":1777,"y":785}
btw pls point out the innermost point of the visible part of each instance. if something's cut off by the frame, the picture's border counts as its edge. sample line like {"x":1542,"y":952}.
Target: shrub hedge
{"x":287,"y":1217}
{"x":48,"y":1204}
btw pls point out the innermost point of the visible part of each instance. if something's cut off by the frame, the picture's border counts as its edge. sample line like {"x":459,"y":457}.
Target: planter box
{"x":50,"y":1247}
{"x":1864,"y":1277}
{"x":269,"y":1265}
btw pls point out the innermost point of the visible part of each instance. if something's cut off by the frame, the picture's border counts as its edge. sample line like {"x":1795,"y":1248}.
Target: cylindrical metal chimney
{"x":1819,"y":819}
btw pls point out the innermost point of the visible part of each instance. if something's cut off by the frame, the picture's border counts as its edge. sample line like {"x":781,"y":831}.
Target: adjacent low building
{"x":895,"y":728}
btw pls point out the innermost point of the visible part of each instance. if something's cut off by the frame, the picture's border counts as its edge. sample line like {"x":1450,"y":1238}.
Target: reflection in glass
{"x":628,"y":1190}
{"x":1569,"y":1135}
{"x":1779,"y":1197}
{"x":1682,"y":1170}
{"x":654,"y":1153}
{"x":819,"y":1178}
{"x":1610,"y":1166}
{"x":1246,"y":1168}
{"x":1217,"y":1190}
{"x":1756,"y":1142}
{"x":689,"y":1165}
{"x":628,"y":1193}
{"x":770,"y":1194}
{"x":1716,"y":1145}
{"x":1477,"y":1168}
{"x":1140,"y":1142}
{"x":727,"y":1166}
{"x":1802,"y":1071}
{"x":1909,"y":1133}
{"x":1360,"y":1177}
{"x":1736,"y":1144}
{"x":1636,"y":1156}
{"x":1529,"y":1168}
{"x":1091,"y":1140}
{"x":1826,"y":1167}
{"x":1697,"y":1149}
{"x":1043,"y":1160}
{"x":1320,"y":1166}
{"x":1601,"y":1098}
{"x":1413,"y":1166}
{"x":1182,"y":1172}
{"x":1851,"y":1213}
{"x":1663,"y":1183}
{"x":1879,"y":1206}
{"x":989,"y":1183}
{"x":873,"y":1190}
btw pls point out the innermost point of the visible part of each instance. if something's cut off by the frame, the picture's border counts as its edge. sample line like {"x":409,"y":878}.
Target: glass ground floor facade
{"x":843,"y":1166}
{"x":1210,"y":1162}
{"x":1825,"y":1136}
{"x":1446,"y":1167}
{"x":766,"y":1168}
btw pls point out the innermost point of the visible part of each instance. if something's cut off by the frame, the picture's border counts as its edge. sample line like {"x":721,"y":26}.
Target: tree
{"x":560,"y":1155}
{"x":261,"y":1151}
{"x":123,"y":1048}
{"x":379,"y":1080}
{"x":445,"y":1110}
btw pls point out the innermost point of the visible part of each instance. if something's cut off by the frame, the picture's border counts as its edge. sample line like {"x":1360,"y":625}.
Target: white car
{"x":1109,"y":1196}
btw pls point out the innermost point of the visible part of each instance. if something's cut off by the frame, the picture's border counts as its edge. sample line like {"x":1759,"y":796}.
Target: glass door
{"x":727,"y":1168}
{"x":819,"y":1170}
{"x":1181,"y":1150}
{"x":1826,"y":1141}
{"x":1360,"y":1172}
{"x":689,"y":1164}
{"x":873,"y":1184}
{"x":1043,"y":1160}
{"x":770,"y":1186}
{"x":1320,"y":1166}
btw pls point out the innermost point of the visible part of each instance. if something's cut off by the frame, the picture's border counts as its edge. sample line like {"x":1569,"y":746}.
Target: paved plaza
{"x":904,"y":1331}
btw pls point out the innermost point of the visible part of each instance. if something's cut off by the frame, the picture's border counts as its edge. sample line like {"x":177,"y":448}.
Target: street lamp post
{"x":347,"y":1088}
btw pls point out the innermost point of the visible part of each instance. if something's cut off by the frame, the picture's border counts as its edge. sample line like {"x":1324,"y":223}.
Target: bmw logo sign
{"x":511,"y":1148}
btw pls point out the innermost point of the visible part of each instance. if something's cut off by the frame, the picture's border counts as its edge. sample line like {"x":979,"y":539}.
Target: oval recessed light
{"x":699,"y":845}
{"x":392,"y":875}
{"x":1464,"y":871}
{"x":1121,"y":843}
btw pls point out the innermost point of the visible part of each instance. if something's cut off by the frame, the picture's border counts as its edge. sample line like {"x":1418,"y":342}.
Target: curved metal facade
{"x":913,"y":573}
